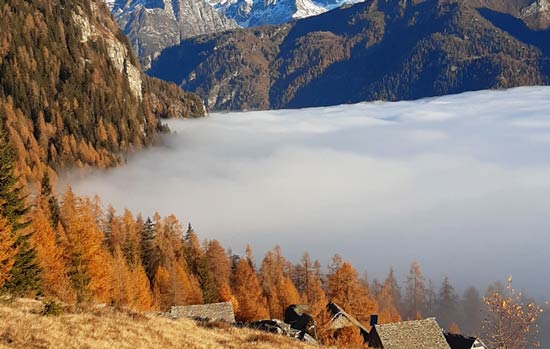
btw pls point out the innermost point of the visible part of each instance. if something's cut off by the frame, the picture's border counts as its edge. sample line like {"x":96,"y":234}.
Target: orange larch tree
{"x":90,"y":262}
{"x":247,"y":290}
{"x":345,"y":289}
{"x":216,"y":266}
{"x":173,"y":284}
{"x":311,"y":291}
{"x":388,"y":300}
{"x":277,"y":287}
{"x":55,"y":280}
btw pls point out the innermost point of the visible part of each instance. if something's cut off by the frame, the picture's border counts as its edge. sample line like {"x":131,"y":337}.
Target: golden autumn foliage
{"x":60,"y":112}
{"x":173,"y":283}
{"x":248,"y":292}
{"x":142,"y":298}
{"x":454,"y":328}
{"x":277,"y":287}
{"x":387,"y":302}
{"x":130,"y":287}
{"x":162,"y":290}
{"x":510,"y":321}
{"x":307,"y":278}
{"x":93,"y":255}
{"x":226,"y":295}
{"x":345,"y":289}
{"x":55,"y":281}
{"x":348,"y":337}
{"x":89,"y":262}
{"x":217,"y":264}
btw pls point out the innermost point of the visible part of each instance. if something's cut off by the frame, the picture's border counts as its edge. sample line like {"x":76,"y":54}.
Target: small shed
{"x":458,"y":341}
{"x":417,"y":334}
{"x":213,"y":311}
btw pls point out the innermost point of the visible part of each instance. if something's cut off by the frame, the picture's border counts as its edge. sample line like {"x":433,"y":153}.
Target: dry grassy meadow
{"x":23,"y":326}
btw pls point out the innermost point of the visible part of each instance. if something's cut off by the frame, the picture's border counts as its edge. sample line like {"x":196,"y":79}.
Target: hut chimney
{"x":373,"y":320}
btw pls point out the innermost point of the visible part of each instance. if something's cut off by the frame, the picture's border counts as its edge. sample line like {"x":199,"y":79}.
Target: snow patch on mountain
{"x":250,"y":13}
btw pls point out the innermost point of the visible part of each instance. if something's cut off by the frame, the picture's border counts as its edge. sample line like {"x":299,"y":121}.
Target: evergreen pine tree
{"x":47,"y":194}
{"x":447,"y":304}
{"x":193,"y":251}
{"x":207,"y":282}
{"x":24,"y":276}
{"x":147,"y":248}
{"x":7,"y":250}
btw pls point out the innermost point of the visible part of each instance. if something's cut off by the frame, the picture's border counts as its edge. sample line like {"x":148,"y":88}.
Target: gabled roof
{"x":418,"y":334}
{"x":214,"y":311}
{"x":342,"y":319}
{"x":457,"y":341}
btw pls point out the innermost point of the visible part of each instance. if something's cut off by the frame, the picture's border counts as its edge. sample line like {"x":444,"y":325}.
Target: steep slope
{"x":23,"y":326}
{"x":384,"y":49}
{"x":535,"y":13}
{"x":72,"y":92}
{"x":152,"y":25}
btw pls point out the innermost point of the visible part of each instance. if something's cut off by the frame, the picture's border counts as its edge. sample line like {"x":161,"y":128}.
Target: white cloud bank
{"x":459,"y":183}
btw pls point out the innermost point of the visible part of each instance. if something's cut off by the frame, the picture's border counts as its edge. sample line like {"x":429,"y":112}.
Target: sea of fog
{"x":459,"y":183}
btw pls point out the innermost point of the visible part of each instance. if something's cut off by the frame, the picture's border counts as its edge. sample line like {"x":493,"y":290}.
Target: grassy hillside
{"x":23,"y":326}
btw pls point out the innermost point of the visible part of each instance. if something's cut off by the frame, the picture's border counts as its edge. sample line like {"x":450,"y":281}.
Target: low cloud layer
{"x":459,"y":183}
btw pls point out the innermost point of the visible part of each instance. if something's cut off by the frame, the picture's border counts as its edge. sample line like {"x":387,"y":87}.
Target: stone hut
{"x":418,"y":334}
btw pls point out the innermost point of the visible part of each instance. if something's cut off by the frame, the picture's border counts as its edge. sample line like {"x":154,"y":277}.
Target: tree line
{"x":74,"y":251}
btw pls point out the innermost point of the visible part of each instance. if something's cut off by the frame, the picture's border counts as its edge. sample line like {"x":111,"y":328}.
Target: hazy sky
{"x":459,"y":183}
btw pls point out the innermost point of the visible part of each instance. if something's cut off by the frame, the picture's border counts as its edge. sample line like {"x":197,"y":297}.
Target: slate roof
{"x":417,"y":334}
{"x":457,"y":341}
{"x":214,"y":311}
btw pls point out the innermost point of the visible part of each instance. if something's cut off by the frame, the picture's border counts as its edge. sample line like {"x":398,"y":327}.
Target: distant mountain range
{"x":152,"y":25}
{"x":381,"y":49}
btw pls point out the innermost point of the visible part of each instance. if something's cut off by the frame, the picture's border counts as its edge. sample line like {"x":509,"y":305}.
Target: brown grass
{"x":23,"y":326}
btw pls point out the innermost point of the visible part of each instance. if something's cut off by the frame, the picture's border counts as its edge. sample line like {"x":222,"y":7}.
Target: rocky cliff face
{"x":537,"y":14}
{"x":117,"y":52}
{"x":383,"y":49}
{"x":152,"y":25}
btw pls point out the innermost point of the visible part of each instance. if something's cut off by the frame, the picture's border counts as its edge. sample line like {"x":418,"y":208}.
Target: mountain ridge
{"x":382,"y":49}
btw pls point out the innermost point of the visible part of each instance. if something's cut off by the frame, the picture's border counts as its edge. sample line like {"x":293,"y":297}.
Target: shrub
{"x":52,"y":308}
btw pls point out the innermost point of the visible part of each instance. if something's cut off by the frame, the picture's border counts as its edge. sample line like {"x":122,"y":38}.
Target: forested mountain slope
{"x":381,"y":49}
{"x":71,"y":91}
